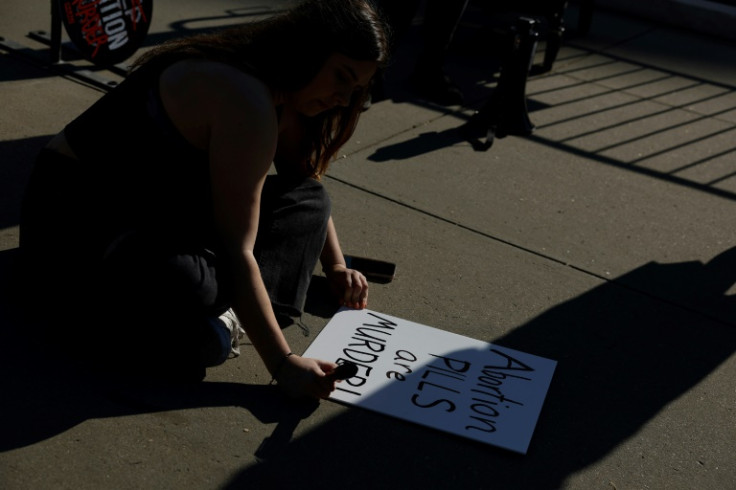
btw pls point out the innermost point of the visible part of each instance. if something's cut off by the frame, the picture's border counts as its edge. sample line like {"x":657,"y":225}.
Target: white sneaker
{"x":228,"y":333}
{"x":236,"y":331}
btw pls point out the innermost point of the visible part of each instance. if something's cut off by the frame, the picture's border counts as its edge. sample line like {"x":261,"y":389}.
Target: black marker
{"x":344,"y":371}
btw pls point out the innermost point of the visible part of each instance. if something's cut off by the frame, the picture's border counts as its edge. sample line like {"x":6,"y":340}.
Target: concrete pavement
{"x":605,"y":241}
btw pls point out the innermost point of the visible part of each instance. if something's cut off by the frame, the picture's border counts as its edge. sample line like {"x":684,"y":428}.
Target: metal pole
{"x":55,"y":32}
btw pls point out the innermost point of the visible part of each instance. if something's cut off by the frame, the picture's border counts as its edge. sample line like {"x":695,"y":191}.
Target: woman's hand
{"x":349,"y":285}
{"x":305,"y":377}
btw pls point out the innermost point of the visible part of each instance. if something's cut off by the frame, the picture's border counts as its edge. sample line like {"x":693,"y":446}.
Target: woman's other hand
{"x":349,"y":285}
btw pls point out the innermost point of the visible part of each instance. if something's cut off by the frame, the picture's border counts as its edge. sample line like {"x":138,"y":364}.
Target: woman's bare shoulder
{"x":198,"y":93}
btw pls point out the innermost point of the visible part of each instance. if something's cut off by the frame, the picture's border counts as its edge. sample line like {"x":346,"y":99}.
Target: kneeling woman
{"x":155,"y":221}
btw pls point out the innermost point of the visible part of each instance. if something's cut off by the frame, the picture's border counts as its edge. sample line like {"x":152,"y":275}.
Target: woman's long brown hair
{"x":286,"y":51}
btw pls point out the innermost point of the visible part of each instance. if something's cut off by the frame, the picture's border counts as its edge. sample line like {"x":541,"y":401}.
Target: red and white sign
{"x":106,"y":32}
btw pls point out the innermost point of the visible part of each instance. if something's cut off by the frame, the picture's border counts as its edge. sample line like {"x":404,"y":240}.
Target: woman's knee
{"x":319,"y":203}
{"x":293,"y":206}
{"x":171,"y":274}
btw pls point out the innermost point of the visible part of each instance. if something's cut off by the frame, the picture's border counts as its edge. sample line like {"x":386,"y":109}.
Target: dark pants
{"x":141,"y":296}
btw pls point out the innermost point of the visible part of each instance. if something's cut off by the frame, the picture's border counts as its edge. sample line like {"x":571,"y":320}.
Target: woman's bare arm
{"x":233,"y":114}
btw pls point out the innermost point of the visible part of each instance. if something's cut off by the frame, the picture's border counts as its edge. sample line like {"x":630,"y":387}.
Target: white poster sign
{"x":435,"y":378}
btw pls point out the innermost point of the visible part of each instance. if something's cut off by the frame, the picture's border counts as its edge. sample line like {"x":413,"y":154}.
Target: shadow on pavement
{"x":45,"y":393}
{"x":422,"y":144}
{"x":622,"y":358}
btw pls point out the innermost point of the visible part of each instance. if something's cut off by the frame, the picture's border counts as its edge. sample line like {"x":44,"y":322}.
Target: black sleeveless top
{"x":140,"y":168}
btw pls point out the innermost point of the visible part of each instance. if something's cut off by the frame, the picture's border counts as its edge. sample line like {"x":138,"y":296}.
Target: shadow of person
{"x":623,"y":356}
{"x":45,"y":393}
{"x":422,"y":144}
{"x":475,"y":136}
